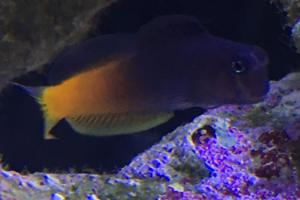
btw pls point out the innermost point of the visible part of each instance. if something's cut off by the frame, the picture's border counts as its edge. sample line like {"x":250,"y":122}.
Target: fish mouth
{"x":254,"y":99}
{"x":255,"y":95}
{"x":261,"y":96}
{"x":248,"y":98}
{"x":257,"y":99}
{"x":239,"y":101}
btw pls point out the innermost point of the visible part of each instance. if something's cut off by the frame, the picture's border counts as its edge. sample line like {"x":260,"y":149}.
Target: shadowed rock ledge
{"x":31,"y":32}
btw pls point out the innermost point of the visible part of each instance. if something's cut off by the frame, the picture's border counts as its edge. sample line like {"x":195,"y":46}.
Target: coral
{"x":75,"y":186}
{"x":291,"y":7}
{"x":230,"y":152}
{"x":173,"y":194}
{"x":271,"y":154}
{"x":172,"y":160}
{"x":32,"y":32}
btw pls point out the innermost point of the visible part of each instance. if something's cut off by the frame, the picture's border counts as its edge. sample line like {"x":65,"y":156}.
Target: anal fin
{"x":117,"y":123}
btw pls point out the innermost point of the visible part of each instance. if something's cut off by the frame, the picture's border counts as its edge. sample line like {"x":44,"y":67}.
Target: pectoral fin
{"x":115,"y":124}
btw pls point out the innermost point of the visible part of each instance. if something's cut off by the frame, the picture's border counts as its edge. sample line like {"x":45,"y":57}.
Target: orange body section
{"x":99,"y":90}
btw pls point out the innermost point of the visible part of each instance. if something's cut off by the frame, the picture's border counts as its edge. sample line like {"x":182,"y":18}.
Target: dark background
{"x":21,"y":124}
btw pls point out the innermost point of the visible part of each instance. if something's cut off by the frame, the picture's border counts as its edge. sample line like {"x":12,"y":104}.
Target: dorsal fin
{"x":169,"y":28}
{"x":85,"y":55}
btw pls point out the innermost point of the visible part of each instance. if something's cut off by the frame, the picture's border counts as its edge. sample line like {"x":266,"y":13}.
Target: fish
{"x":126,"y":83}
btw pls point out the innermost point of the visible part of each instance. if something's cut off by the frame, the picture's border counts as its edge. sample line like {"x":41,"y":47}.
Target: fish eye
{"x":238,"y":67}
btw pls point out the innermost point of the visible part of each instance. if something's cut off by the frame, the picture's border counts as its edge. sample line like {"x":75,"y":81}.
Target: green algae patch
{"x":257,"y":117}
{"x":134,"y":189}
{"x":191,"y":172}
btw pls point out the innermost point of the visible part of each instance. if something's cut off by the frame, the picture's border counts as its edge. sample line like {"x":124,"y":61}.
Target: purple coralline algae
{"x":231,"y":152}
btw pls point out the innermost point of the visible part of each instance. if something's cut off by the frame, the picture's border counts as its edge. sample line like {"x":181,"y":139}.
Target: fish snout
{"x":260,"y":55}
{"x":259,"y":92}
{"x":258,"y":82}
{"x":253,"y":91}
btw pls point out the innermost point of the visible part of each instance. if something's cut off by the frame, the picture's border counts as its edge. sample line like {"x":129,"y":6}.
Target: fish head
{"x":202,"y":69}
{"x":249,"y":71}
{"x":230,"y":72}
